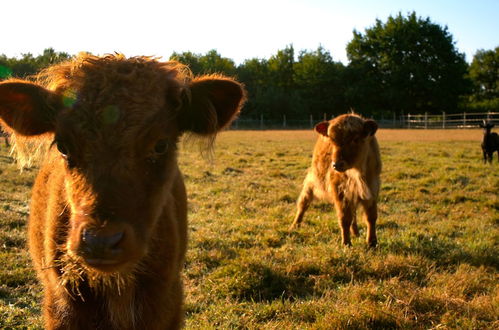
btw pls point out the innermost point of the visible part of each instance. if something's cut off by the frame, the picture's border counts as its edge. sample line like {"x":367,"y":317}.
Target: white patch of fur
{"x":355,"y":186}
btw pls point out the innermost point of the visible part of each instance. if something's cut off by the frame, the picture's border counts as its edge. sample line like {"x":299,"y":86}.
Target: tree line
{"x":407,"y":64}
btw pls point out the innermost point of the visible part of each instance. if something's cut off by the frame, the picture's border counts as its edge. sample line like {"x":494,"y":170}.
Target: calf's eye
{"x":62,"y":148}
{"x":161,"y":147}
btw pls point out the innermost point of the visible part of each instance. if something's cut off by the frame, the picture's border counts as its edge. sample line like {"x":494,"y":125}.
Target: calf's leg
{"x":345,"y":211}
{"x":371,"y":215}
{"x":306,"y":197}
{"x":354,"y":230}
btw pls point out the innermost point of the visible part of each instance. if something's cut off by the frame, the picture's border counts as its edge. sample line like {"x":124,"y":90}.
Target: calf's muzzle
{"x":101,"y":247}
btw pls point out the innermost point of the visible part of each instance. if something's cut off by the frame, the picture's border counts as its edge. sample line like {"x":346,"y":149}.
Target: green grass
{"x":436,"y":265}
{"x":20,"y":293}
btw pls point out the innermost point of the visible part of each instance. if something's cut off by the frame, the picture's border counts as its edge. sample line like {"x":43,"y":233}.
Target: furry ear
{"x":214,"y":102}
{"x":28,"y":109}
{"x":370,"y":127}
{"x":321,"y":128}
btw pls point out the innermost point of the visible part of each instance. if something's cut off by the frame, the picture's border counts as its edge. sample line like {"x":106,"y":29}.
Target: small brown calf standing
{"x":345,"y":171}
{"x":108,"y":219}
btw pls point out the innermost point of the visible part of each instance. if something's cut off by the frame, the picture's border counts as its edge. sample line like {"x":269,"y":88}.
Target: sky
{"x":239,"y":30}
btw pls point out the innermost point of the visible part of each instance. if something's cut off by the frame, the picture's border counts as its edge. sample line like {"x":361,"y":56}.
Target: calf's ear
{"x":28,"y":109}
{"x":321,"y":128}
{"x":214,"y":102}
{"x":370,"y":127}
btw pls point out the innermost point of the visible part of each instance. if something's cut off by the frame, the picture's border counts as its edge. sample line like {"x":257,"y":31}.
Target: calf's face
{"x":348,"y":136}
{"x":117,"y":178}
{"x":116,"y":145}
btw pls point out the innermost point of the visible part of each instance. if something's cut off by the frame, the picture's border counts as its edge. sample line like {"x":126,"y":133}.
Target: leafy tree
{"x":5,"y":70}
{"x":49,"y":57}
{"x":282,"y":85}
{"x":484,"y":73}
{"x":281,"y":68}
{"x":26,"y":66}
{"x":406,"y":64}
{"x":190,"y":59}
{"x":212,"y":62}
{"x":319,"y":81}
{"x":254,"y":73}
{"x":29,"y":65}
{"x":270,"y":85}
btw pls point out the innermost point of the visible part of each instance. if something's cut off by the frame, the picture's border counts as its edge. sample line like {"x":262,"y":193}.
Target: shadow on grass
{"x":255,"y":282}
{"x":443,"y":252}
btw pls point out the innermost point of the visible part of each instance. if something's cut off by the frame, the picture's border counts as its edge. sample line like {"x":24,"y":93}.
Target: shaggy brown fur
{"x":5,"y":137}
{"x":345,"y":170}
{"x":108,"y":230}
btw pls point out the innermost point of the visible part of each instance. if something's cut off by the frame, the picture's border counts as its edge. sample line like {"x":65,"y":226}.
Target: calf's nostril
{"x":114,"y":239}
{"x":339,"y":166}
{"x":96,"y":240}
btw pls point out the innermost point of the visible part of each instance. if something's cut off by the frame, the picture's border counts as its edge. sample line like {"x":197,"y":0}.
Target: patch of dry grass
{"x":436,"y":265}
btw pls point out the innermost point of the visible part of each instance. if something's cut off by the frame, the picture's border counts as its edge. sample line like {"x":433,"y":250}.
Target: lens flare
{"x":110,"y":114}
{"x":5,"y":72}
{"x":69,"y":98}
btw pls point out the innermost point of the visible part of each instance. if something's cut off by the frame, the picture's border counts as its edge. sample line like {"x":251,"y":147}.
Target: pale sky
{"x":236,"y":29}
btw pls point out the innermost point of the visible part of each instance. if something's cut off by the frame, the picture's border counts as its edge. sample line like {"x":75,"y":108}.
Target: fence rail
{"x":457,"y":120}
{"x":423,"y":121}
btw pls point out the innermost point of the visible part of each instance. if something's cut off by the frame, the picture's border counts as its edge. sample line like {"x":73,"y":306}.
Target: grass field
{"x":436,"y":266}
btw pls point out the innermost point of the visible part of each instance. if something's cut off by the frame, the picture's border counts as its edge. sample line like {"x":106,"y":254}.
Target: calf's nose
{"x":100,"y":244}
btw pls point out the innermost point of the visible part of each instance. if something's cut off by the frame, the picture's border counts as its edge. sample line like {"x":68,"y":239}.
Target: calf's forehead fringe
{"x":145,"y":80}
{"x":346,"y":124}
{"x":114,"y":86}
{"x":112,"y":70}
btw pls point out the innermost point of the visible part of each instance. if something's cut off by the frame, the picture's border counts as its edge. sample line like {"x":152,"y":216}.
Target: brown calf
{"x":345,"y":170}
{"x":108,"y":230}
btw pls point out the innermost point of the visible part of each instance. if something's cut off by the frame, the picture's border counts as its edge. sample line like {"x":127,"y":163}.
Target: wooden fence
{"x":424,"y":121}
{"x":456,"y":120}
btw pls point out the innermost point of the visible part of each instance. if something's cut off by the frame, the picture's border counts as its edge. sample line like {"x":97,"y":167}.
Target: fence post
{"x":311,"y":121}
{"x":394,"y":120}
{"x":464,"y":118}
{"x":325,"y":116}
{"x":443,"y":119}
{"x":408,"y":120}
{"x":283,"y":120}
{"x":261,"y":121}
{"x":426,"y":120}
{"x":488,"y":115}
